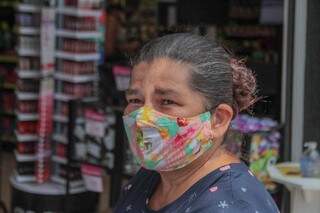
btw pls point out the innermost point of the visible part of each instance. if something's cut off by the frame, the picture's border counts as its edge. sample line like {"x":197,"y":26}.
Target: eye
{"x":134,"y":101}
{"x":166,"y":102}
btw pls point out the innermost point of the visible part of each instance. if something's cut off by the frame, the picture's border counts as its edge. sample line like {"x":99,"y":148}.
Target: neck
{"x":180,"y":180}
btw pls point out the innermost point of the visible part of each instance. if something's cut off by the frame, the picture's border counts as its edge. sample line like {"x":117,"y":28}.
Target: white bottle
{"x":310,"y":160}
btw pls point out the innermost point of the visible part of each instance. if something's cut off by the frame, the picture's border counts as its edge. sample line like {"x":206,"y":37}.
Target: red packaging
{"x":79,"y":23}
{"x":27,"y":106}
{"x":27,"y":127}
{"x":76,"y":68}
{"x":61,"y":150}
{"x":78,"y":46}
{"x":78,"y":90}
{"x":27,"y":147}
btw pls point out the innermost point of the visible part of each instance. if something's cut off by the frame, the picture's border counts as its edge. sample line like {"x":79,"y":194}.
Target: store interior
{"x":64,"y":69}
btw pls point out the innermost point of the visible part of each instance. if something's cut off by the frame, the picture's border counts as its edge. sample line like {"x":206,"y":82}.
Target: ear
{"x":220,"y":121}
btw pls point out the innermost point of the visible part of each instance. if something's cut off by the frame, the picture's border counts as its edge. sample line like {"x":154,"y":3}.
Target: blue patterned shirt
{"x":229,"y":189}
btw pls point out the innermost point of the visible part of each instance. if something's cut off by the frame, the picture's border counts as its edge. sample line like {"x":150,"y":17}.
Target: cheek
{"x":130,"y":108}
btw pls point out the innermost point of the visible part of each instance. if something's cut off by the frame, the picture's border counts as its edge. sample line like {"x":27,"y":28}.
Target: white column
{"x":299,"y":56}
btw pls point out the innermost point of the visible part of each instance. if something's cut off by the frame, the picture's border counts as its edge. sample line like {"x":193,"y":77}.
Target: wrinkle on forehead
{"x":163,"y":71}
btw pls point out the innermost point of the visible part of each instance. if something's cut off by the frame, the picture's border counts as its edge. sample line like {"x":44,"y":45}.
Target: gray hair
{"x":213,"y":72}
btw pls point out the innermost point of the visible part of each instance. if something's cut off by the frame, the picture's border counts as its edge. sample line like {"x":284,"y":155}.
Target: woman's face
{"x":163,"y":84}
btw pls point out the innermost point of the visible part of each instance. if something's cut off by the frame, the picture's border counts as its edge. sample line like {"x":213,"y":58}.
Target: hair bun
{"x":244,"y":86}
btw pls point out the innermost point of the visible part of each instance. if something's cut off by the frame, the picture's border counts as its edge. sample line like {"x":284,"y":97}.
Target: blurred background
{"x":64,"y":67}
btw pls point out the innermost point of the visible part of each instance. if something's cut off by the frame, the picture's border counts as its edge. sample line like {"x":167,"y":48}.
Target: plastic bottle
{"x":310,"y":160}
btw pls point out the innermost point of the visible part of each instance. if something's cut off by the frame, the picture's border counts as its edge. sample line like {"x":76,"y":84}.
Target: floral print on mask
{"x":162,"y":142}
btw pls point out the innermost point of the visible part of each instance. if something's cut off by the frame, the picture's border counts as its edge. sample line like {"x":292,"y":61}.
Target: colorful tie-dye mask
{"x":163,"y":143}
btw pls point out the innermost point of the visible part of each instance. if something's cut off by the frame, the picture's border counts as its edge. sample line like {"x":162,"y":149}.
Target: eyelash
{"x":167,"y":100}
{"x":134,"y":101}
{"x":163,"y":102}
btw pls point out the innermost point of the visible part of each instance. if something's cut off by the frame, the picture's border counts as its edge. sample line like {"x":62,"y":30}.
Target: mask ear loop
{"x":212,"y":110}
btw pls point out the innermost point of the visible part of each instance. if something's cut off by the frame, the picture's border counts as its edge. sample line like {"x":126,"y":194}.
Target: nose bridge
{"x":148,"y":102}
{"x":147,"y":86}
{"x":148,"y":95}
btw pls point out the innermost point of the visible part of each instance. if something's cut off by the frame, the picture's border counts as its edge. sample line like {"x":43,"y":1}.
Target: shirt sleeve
{"x":228,"y":207}
{"x":240,"y":193}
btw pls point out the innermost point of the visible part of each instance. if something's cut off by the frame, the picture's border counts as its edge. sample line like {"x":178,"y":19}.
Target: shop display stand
{"x":116,"y":172}
{"x":51,"y":196}
{"x":27,"y":94}
{"x":74,"y":63}
{"x":76,"y":77}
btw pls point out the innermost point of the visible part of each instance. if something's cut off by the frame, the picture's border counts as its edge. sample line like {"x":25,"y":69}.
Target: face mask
{"x":164,"y":143}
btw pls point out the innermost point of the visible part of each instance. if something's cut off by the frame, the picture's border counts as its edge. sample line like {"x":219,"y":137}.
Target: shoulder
{"x":248,"y":189}
{"x":141,"y":176}
{"x":238,"y":190}
{"x":140,"y":181}
{"x":136,"y":187}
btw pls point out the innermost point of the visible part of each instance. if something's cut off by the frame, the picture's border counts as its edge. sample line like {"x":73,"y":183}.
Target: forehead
{"x":162,"y":72}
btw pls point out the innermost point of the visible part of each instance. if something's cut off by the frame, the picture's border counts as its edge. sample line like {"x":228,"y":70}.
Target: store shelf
{"x":64,"y":119}
{"x":28,"y":8}
{"x":29,"y":73}
{"x":50,"y":188}
{"x":73,"y":184}
{"x":26,"y":137}
{"x":8,"y":58}
{"x":28,"y":30}
{"x":75,"y":78}
{"x":78,"y":34}
{"x":27,"y":116}
{"x":27,"y":96}
{"x":24,"y":157}
{"x":65,"y":98}
{"x":77,"y":56}
{"x":60,"y":118}
{"x":28,"y":52}
{"x":71,"y":11}
{"x":59,"y":159}
{"x":24,"y":178}
{"x":60,"y":138}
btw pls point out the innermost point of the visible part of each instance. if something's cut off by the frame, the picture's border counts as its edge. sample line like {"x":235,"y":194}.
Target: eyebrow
{"x":161,"y":91}
{"x":132,"y":92}
{"x":157,"y":91}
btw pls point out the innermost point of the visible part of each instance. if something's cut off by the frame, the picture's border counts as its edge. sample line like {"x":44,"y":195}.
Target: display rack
{"x":28,"y":16}
{"x":76,"y":76}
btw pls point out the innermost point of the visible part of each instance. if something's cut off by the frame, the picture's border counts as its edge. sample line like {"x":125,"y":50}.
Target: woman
{"x":183,"y":94}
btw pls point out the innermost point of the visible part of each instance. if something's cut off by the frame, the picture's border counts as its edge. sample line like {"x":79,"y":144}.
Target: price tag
{"x":95,"y":128}
{"x":94,"y":150}
{"x":122,"y":77}
{"x":95,"y":124}
{"x":109,"y":140}
{"x":92,"y":176}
